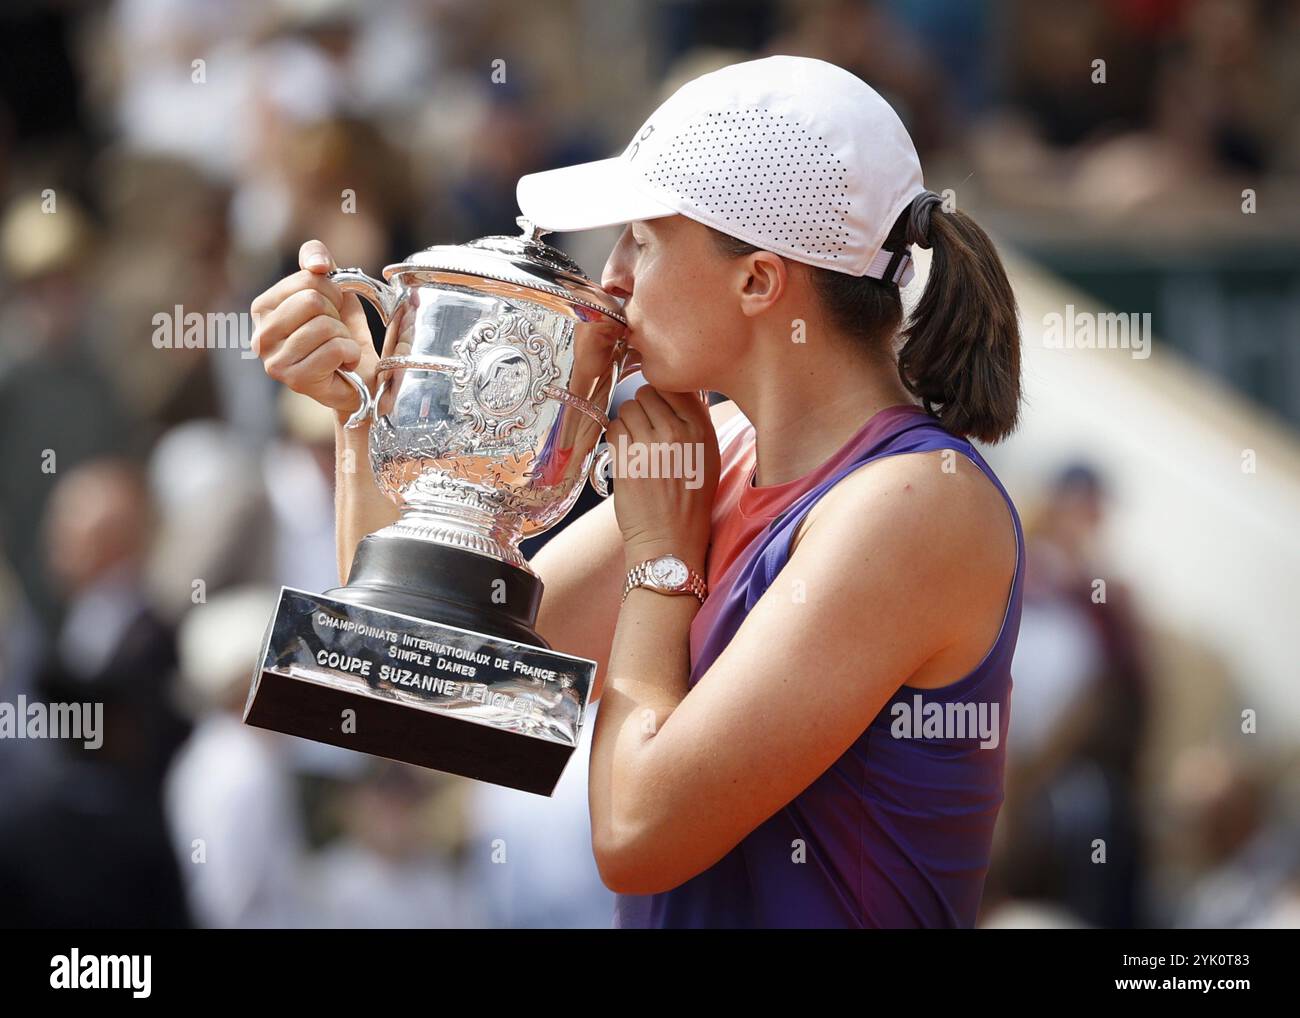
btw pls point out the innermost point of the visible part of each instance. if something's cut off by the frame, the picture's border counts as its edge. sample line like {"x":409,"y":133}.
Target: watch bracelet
{"x":695,"y":584}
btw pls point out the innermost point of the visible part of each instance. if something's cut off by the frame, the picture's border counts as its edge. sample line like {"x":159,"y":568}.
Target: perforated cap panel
{"x":762,"y":173}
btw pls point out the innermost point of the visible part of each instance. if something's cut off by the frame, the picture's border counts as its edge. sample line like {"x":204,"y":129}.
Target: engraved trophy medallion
{"x":499,"y":363}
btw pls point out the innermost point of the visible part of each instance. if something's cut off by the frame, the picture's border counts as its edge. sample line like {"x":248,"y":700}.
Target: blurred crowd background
{"x":158,"y":155}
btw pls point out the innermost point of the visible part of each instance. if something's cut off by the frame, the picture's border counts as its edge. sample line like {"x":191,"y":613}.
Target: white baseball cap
{"x":791,"y":154}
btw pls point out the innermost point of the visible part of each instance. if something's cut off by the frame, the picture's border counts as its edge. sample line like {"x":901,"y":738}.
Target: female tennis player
{"x":804,"y":651}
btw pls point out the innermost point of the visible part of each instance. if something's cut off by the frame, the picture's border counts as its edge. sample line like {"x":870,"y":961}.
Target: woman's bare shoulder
{"x":961,"y":506}
{"x":938,"y":534}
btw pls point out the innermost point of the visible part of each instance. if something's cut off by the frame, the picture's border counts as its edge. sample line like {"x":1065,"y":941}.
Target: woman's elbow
{"x":623,"y":875}
{"x":630,"y":865}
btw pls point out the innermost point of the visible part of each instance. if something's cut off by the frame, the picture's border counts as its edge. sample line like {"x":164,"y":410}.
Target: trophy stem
{"x":460,"y":526}
{"x":454,"y":586}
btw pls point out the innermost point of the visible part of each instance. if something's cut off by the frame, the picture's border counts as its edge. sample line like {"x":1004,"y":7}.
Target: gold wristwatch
{"x":666,"y":574}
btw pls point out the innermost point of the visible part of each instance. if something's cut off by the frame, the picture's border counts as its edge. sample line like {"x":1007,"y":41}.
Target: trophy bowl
{"x":499,"y":363}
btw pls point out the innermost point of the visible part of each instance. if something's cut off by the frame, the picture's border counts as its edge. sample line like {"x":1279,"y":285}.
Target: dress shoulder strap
{"x":920,"y":435}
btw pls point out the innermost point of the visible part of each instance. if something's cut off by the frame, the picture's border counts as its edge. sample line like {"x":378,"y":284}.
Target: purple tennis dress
{"x":895,"y":833}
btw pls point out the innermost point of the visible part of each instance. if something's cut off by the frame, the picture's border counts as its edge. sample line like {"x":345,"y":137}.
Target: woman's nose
{"x":617,"y":277}
{"x":622,"y":293}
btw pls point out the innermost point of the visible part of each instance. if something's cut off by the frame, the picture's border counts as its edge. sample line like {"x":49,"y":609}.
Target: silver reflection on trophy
{"x":498,"y":365}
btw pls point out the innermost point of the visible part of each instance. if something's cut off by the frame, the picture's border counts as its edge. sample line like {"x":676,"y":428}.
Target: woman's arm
{"x":360,"y":508}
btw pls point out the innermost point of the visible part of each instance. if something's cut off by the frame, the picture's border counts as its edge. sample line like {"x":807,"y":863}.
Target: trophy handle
{"x":599,"y":466}
{"x":383,"y":298}
{"x":604,"y":457}
{"x":367,"y":403}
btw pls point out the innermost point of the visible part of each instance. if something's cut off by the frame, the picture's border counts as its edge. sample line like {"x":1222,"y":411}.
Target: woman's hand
{"x":307,"y":326}
{"x":666,"y":467}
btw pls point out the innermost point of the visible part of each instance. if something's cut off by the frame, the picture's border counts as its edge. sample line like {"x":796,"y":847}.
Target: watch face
{"x":669,"y":571}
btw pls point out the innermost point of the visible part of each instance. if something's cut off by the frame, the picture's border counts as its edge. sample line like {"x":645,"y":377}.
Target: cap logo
{"x":636,"y":145}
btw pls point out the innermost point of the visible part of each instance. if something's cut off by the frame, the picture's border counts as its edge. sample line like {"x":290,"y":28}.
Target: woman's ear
{"x":764,"y":283}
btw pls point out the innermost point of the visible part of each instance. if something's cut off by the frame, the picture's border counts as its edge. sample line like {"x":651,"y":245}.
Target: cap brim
{"x":586,"y":196}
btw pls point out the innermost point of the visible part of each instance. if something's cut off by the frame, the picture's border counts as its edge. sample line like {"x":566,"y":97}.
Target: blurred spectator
{"x":112,"y":642}
{"x":870,"y":39}
{"x":396,"y":864}
{"x":298,"y":471}
{"x":166,"y":265}
{"x":1080,"y":706}
{"x":86,"y":844}
{"x":1243,"y":840}
{"x":231,"y":800}
{"x":212,"y":515}
{"x":57,"y":407}
{"x":21,"y":646}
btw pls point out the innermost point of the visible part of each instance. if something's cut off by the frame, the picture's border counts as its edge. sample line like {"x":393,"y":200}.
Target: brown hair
{"x":961,"y":345}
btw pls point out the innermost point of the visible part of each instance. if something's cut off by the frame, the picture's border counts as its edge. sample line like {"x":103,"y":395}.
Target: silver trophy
{"x":498,"y":368}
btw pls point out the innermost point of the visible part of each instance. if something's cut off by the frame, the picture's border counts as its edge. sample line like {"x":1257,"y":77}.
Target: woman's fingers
{"x":314,"y":333}
{"x":315,"y":373}
{"x":297,"y":282}
{"x":294,"y":311}
{"x":661,"y":416}
{"x":314,"y":256}
{"x":670,"y":412}
{"x":300,"y":344}
{"x":634,"y":418}
{"x":687,"y":406}
{"x":354,"y":316}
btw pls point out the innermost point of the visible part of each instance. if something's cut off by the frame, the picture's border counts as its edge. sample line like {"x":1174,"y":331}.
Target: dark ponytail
{"x":960,"y":353}
{"x":961,"y":344}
